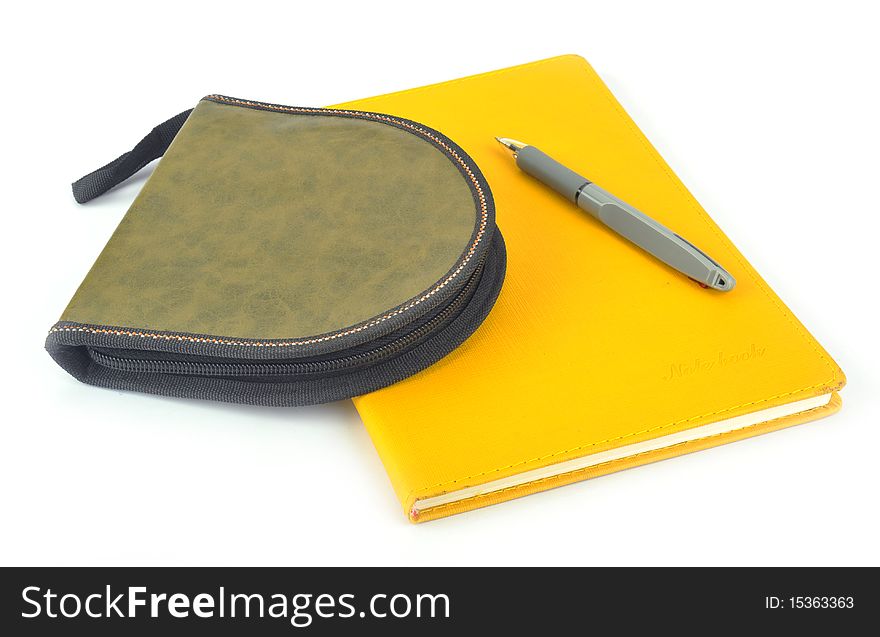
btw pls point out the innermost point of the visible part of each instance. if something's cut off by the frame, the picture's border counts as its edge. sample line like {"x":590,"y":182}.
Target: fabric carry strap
{"x":149,"y":148}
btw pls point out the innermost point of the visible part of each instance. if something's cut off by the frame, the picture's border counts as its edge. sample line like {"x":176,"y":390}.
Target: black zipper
{"x":250,"y":368}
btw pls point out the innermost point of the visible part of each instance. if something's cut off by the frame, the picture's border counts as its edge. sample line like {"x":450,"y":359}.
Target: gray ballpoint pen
{"x":618,"y":215}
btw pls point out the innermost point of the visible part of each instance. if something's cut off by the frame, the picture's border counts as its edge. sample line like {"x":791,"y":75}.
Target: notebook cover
{"x":592,"y":344}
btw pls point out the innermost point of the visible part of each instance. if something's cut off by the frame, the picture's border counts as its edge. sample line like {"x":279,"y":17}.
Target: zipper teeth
{"x":194,"y":368}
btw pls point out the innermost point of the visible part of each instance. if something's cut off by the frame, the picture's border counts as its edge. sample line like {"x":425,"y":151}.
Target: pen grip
{"x":549,"y":171}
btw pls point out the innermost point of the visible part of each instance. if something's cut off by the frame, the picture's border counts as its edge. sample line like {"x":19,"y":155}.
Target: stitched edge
{"x":691,"y":201}
{"x":414,"y":514}
{"x":481,"y":231}
{"x":616,"y":439}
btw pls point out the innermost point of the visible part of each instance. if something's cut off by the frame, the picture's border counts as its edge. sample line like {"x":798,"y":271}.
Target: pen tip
{"x":510,"y":144}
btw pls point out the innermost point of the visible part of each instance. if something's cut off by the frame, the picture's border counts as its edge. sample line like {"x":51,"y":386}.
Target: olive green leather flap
{"x":270,"y":231}
{"x":270,"y":224}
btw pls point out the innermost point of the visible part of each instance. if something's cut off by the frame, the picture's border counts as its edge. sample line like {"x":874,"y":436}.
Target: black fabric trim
{"x":151,"y":147}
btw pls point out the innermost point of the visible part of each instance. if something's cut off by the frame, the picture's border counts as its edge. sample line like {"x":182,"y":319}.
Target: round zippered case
{"x":284,"y":256}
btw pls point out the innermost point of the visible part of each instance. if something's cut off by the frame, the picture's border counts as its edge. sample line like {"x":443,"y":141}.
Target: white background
{"x":768,"y":112}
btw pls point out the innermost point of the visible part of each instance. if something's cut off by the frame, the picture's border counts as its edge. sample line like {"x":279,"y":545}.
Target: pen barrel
{"x":549,"y":171}
{"x":646,"y":233}
{"x":653,"y":237}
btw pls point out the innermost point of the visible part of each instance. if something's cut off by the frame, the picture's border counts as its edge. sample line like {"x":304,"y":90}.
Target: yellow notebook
{"x":596,"y":357}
